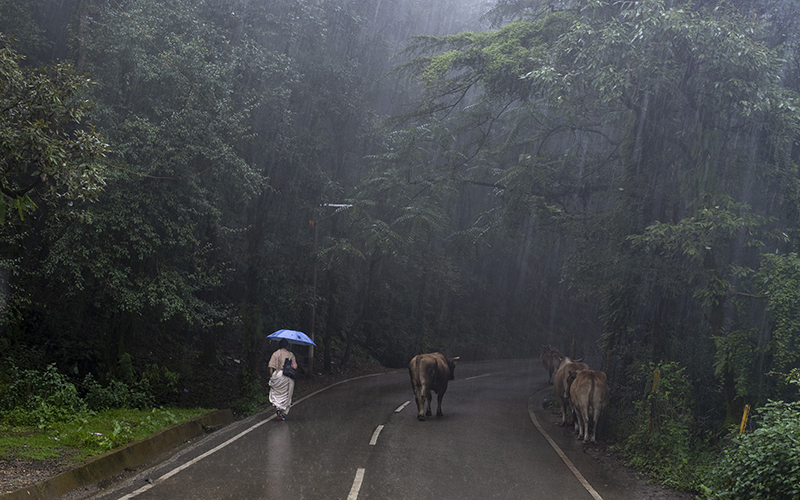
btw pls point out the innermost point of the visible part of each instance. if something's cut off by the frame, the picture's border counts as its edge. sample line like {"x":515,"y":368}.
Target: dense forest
{"x":619,"y":180}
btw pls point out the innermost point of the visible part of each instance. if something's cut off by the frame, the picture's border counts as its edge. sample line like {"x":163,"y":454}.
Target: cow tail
{"x":414,"y":373}
{"x":590,"y":406}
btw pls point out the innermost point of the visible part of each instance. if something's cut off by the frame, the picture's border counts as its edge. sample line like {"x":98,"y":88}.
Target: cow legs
{"x":585,"y":426}
{"x":439,"y":401}
{"x":428,"y":398}
{"x":576,"y":417}
{"x":565,"y":409}
{"x":422,"y":395}
{"x":419,"y":397}
{"x":595,"y":418}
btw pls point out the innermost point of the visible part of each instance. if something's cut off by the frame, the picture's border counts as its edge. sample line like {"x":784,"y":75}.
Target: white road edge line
{"x":566,"y":460}
{"x":479,"y":376}
{"x":195,"y":460}
{"x":400,"y":408}
{"x":231,"y":440}
{"x":356,"y":484}
{"x":374,"y":440}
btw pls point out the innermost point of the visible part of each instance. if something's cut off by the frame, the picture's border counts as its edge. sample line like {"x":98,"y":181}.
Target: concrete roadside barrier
{"x":130,"y":456}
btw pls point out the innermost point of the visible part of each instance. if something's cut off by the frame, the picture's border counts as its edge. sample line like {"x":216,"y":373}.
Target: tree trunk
{"x":733,"y":404}
{"x":330,"y":323}
{"x":83,"y":21}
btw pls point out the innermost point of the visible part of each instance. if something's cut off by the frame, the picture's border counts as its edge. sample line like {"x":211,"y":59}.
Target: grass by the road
{"x":91,"y":433}
{"x":88,"y":434}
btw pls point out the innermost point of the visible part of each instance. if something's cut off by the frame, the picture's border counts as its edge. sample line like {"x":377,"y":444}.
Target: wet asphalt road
{"x":486,"y":446}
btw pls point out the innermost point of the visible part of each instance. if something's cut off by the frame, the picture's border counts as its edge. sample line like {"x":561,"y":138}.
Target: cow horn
{"x":578,"y":360}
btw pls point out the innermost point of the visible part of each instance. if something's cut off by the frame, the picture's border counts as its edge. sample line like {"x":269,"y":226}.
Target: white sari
{"x":281,"y":389}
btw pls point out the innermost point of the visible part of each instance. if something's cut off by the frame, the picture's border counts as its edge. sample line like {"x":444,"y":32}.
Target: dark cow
{"x":430,"y":372}
{"x":551,"y":358}
{"x":589,"y":397}
{"x":561,"y":382}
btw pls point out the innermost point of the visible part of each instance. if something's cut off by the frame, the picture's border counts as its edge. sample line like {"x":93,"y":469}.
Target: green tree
{"x":778,"y":279}
{"x":50,"y":160}
{"x":629,"y":123}
{"x":177,"y":98}
{"x":19,"y":21}
{"x":48,"y":153}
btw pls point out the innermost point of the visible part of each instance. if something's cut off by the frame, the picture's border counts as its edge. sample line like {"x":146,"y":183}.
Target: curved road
{"x":360,"y":440}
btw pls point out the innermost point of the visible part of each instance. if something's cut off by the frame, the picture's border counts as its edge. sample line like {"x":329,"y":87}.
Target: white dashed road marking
{"x":374,"y":440}
{"x":359,"y":479}
{"x":234,"y":438}
{"x":400,"y":408}
{"x":356,"y":485}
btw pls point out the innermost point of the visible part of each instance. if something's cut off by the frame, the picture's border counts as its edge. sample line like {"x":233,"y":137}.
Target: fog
{"x":482,"y":179}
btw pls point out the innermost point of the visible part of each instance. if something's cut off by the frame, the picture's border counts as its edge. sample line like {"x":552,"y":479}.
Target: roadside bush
{"x":659,"y":438}
{"x":117,"y":394}
{"x":763,"y":464}
{"x":34,"y":398}
{"x":162,"y":383}
{"x":251,"y":397}
{"x":39,"y":398}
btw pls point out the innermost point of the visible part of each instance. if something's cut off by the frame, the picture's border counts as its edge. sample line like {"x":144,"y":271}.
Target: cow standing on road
{"x":561,"y":382}
{"x":551,"y":358}
{"x":589,"y":396}
{"x":430,"y":372}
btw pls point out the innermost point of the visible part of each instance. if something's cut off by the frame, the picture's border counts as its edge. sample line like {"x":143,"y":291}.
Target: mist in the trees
{"x":617,"y":180}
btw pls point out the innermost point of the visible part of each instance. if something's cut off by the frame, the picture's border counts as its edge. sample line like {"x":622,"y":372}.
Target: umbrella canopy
{"x":293,"y":336}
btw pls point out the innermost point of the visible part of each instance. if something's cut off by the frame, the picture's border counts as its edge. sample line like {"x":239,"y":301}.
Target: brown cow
{"x":589,"y":396}
{"x":430,"y":372}
{"x":561,"y":382}
{"x":551,"y":359}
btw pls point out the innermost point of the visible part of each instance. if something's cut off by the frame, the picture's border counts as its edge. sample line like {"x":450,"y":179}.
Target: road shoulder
{"x":603,"y":470}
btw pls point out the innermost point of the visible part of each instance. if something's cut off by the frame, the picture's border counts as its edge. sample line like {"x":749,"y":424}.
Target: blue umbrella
{"x":293,"y":336}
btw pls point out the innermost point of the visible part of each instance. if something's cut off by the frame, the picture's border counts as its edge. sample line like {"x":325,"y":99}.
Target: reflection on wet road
{"x":361,"y":440}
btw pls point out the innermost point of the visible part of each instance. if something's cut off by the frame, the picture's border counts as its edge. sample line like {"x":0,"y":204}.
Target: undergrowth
{"x":44,"y":415}
{"x":88,"y":433}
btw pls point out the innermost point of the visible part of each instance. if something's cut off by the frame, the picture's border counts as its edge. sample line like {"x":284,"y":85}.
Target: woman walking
{"x":281,"y":387}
